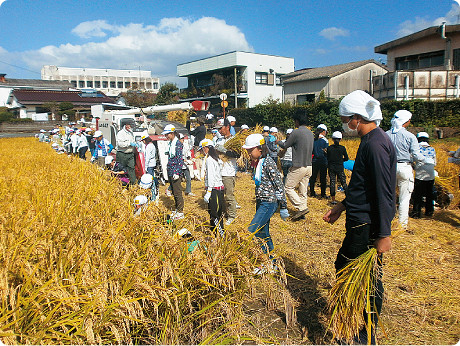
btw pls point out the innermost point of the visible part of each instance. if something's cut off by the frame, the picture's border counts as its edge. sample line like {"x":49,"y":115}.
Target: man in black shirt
{"x":370,"y":201}
{"x":199,"y":133}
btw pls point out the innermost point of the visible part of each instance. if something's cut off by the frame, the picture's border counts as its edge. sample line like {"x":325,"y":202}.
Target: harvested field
{"x":78,"y":268}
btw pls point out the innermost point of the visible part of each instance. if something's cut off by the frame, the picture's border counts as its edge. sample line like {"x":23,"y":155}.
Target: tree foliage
{"x":168,"y":94}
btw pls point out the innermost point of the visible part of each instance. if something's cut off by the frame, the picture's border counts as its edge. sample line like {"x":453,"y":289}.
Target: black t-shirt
{"x":199,"y":133}
{"x":336,"y":155}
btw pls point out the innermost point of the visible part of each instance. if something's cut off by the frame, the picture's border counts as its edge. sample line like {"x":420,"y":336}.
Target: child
{"x":214,"y":196}
{"x":424,"y":178}
{"x":319,"y":161}
{"x":140,"y":203}
{"x":269,"y":192}
{"x":150,"y":154}
{"x":336,"y":156}
{"x":117,"y":170}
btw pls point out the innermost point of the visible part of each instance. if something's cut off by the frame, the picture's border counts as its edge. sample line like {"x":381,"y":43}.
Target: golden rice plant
{"x":79,"y":268}
{"x":236,"y":142}
{"x":178,"y":116}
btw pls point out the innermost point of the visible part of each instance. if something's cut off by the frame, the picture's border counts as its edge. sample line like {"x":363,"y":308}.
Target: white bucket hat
{"x":274,"y":129}
{"x":266,"y":128}
{"x":423,"y":135}
{"x":97,"y":134}
{"x":289,"y":131}
{"x":253,"y":141}
{"x":146,"y":181}
{"x":322,"y":127}
{"x":244,"y":127}
{"x":168,"y":129}
{"x":337,"y":135}
{"x":108,"y":159}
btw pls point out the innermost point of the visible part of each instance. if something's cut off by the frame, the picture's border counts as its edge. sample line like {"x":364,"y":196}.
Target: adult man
{"x":370,"y":198}
{"x":209,"y":117}
{"x":407,"y":151}
{"x":125,"y":151}
{"x":228,"y":170}
{"x":301,"y":141}
{"x":198,"y":133}
{"x":232,"y":121}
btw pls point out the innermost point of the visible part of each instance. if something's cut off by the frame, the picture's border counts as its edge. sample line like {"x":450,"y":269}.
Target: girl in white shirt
{"x":214,"y":196}
{"x":150,"y":154}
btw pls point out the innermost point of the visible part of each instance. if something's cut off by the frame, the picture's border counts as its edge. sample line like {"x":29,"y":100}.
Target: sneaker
{"x":238,"y":206}
{"x":229,"y":221}
{"x":168,"y":193}
{"x":262,"y":269}
{"x":190,"y":194}
{"x":299,"y":214}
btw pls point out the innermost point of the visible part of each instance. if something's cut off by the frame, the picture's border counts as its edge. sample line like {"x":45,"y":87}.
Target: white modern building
{"x":110,"y":82}
{"x":256,"y":77}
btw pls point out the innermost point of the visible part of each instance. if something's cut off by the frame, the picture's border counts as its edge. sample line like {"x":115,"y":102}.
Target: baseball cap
{"x":97,"y":134}
{"x":288,"y":131}
{"x":273,"y":129}
{"x":140,"y":200}
{"x":231,"y":118}
{"x":423,"y":135}
{"x":206,"y":143}
{"x":322,"y":126}
{"x":337,"y":135}
{"x":266,"y":128}
{"x":108,"y":159}
{"x":144,"y":135}
{"x":244,"y":127}
{"x":222,"y":122}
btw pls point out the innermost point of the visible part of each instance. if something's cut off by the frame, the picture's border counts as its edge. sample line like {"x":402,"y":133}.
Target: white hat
{"x":244,"y":127}
{"x":183,"y":232}
{"x":140,"y":200}
{"x":322,"y":126}
{"x":146,"y":181}
{"x":273,"y":129}
{"x":168,"y":129}
{"x":266,"y":128}
{"x":54,"y":145}
{"x":97,"y":134}
{"x":231,"y":118}
{"x":88,"y":129}
{"x":423,"y":135}
{"x":360,"y":102}
{"x":108,"y":159}
{"x":144,"y":135}
{"x":288,"y":131}
{"x":206,"y":143}
{"x":42,"y":130}
{"x":337,"y":135}
{"x":253,"y":141}
{"x":399,"y":119}
{"x":181,"y":135}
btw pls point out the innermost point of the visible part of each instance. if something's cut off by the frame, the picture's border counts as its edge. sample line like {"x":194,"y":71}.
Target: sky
{"x":157,"y":35}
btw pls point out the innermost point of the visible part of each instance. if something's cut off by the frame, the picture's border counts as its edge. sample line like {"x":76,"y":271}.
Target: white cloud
{"x":333,"y":32}
{"x":420,"y":23}
{"x":95,"y":28}
{"x":158,"y":48}
{"x":2,"y":1}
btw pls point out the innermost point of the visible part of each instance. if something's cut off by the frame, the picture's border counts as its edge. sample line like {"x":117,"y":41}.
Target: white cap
{"x":88,"y":129}
{"x":168,"y":129}
{"x":288,"y":131}
{"x":253,"y":141}
{"x":266,"y":128}
{"x":108,"y":159}
{"x":42,"y":130}
{"x":140,"y":200}
{"x":423,"y":135}
{"x":231,"y":118}
{"x":273,"y":129}
{"x":181,"y":135}
{"x":54,"y":145}
{"x":183,"y":232}
{"x":244,"y":127}
{"x":337,"y":135}
{"x":206,"y":143}
{"x":144,"y":135}
{"x":322,"y":126}
{"x":97,"y":134}
{"x":146,"y":181}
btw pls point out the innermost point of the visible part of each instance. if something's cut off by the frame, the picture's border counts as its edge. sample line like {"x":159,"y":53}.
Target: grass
{"x":78,"y":268}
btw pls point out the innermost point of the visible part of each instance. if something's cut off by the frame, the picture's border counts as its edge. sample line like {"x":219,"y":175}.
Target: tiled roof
{"x":36,"y":83}
{"x":325,"y":72}
{"x":28,"y":97}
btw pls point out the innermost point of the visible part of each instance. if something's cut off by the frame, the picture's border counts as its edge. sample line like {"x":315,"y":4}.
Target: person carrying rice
{"x":370,"y":202}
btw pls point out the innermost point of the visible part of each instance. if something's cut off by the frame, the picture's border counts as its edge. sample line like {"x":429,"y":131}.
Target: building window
{"x":127,"y":85}
{"x":97,"y":84}
{"x":120,"y":85}
{"x":74,"y":83}
{"x":105,"y":84}
{"x":89,"y":84}
{"x":155,"y":85}
{"x":81,"y":84}
{"x":278,"y":79}
{"x":420,"y":61}
{"x":261,"y":78}
{"x":148,"y":85}
{"x":112,"y":84}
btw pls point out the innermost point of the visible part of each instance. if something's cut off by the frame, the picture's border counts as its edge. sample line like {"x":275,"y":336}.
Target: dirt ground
{"x":421,"y":274}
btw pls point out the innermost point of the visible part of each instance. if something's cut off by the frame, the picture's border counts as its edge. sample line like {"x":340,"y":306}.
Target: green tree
{"x":137,"y":98}
{"x":167,"y":94}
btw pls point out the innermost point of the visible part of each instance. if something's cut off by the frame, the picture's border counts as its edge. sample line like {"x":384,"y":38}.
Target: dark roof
{"x":36,"y":83}
{"x":325,"y":72}
{"x":29,"y":97}
{"x":434,"y":30}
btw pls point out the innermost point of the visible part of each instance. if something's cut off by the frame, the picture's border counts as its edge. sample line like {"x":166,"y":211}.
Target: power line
{"x":22,"y":68}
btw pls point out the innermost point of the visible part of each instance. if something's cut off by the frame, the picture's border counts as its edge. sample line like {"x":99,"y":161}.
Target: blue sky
{"x":157,"y":35}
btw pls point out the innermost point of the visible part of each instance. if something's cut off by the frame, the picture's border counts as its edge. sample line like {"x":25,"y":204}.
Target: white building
{"x":110,"y":82}
{"x":258,"y":76}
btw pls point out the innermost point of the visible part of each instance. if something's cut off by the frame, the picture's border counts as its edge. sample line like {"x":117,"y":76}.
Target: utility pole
{"x":236,"y":89}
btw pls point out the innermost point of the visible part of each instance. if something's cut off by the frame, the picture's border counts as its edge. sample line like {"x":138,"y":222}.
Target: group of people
{"x":383,"y":161}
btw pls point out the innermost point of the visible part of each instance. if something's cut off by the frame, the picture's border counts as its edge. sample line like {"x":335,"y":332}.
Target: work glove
{"x":284,"y":213}
{"x":207,"y":196}
{"x":175,"y":177}
{"x":92,"y":159}
{"x":134,"y":144}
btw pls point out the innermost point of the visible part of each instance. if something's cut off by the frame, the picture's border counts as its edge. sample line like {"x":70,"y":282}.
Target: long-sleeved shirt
{"x":175,"y":158}
{"x":230,"y":167}
{"x":150,"y":155}
{"x":199,"y":133}
{"x":336,"y":155}
{"x":82,"y":141}
{"x":319,"y":154}
{"x":102,"y":148}
{"x":301,"y":141}
{"x":371,"y":195}
{"x":270,"y":141}
{"x":425,"y":170}
{"x":271,"y":187}
{"x":124,"y":140}
{"x":213,"y":176}
{"x":406,"y":145}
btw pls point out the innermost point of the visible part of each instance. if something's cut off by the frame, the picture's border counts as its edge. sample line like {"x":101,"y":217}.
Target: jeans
{"x":321,"y":168}
{"x":260,"y":224}
{"x":188,"y":180}
{"x":155,"y":185}
{"x":358,"y":239}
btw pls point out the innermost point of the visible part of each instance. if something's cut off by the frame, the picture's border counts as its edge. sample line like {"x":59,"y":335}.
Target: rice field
{"x":79,"y":268}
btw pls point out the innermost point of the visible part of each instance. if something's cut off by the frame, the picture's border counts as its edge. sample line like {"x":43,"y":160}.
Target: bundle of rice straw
{"x":236,"y":142}
{"x":351,"y":295}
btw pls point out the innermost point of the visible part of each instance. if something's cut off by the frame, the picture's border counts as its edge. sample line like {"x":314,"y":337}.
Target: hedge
{"x":428,"y":114}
